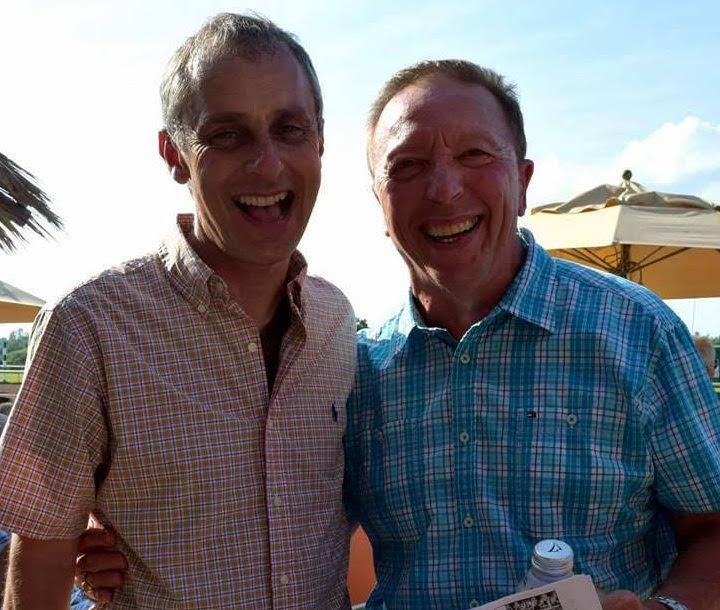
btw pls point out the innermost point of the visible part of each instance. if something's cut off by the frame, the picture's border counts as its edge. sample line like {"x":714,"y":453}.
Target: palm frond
{"x":23,"y":205}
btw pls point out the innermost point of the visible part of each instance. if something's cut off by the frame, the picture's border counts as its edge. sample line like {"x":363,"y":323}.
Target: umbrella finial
{"x":627,"y":174}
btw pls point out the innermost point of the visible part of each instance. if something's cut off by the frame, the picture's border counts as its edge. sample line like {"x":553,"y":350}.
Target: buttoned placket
{"x":278,"y":503}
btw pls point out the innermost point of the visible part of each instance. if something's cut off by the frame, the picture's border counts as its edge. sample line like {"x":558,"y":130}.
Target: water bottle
{"x":552,"y":560}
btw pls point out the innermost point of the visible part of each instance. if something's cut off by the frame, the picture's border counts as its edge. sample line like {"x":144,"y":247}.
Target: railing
{"x":11,"y":373}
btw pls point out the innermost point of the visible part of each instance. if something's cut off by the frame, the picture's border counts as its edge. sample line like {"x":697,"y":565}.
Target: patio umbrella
{"x":22,"y":205}
{"x":17,"y":305}
{"x":669,"y":243}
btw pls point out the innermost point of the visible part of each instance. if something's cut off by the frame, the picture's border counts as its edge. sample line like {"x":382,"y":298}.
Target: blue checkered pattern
{"x":577,"y":409}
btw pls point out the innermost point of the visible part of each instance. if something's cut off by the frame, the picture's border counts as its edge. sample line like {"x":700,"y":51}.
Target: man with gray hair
{"x":515,"y":397}
{"x":194,"y":399}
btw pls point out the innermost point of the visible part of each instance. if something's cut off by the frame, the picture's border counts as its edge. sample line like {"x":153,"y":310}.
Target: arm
{"x":695,"y":576}
{"x":40,"y":574}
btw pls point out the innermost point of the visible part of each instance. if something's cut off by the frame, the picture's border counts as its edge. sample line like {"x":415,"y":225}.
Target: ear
{"x":173,"y":158}
{"x":321,"y":137}
{"x":526,"y":169}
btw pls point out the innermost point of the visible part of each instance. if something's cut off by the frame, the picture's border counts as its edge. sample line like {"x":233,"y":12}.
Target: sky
{"x":604,"y":86}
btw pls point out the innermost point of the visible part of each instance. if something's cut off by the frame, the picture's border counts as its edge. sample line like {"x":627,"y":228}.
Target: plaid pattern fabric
{"x":577,"y":409}
{"x":146,"y":402}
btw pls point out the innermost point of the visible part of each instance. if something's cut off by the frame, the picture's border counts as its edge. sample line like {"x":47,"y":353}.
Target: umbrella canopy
{"x":17,"y":305}
{"x":669,"y":243}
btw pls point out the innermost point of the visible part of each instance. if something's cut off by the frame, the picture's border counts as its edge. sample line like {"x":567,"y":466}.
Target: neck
{"x":457,"y":303}
{"x":258,"y":289}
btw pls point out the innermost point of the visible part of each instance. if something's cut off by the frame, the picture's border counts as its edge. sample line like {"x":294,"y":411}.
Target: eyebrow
{"x":242,"y":117}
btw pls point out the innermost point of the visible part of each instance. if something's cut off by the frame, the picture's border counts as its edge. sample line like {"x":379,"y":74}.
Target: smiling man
{"x":516,"y":397}
{"x":194,"y":399}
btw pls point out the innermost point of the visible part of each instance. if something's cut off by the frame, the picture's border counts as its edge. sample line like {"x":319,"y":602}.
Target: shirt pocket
{"x":579,"y":471}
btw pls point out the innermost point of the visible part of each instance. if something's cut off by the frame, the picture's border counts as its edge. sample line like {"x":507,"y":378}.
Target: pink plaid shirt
{"x":146,"y":401}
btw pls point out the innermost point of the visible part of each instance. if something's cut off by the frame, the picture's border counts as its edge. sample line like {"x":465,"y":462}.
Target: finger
{"x":621,"y":600}
{"x":95,"y":538}
{"x":100,"y":561}
{"x":100,"y":586}
{"x":102,"y":595}
{"x":110,"y":580}
{"x":97,"y":594}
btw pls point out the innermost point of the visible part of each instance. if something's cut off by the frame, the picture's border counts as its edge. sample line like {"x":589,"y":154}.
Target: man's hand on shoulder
{"x":100,"y":567}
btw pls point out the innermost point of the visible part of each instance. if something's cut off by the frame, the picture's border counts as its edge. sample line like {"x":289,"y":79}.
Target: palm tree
{"x":23,"y":205}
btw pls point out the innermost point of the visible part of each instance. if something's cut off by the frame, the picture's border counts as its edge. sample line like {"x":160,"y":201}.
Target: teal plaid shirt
{"x":577,"y":409}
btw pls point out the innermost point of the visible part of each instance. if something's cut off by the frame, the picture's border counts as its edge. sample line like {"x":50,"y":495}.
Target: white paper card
{"x":574,"y":593}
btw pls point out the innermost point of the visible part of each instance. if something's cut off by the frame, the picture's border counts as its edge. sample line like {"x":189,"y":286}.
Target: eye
{"x":226,"y":138}
{"x":475,"y":157}
{"x":404,"y":169}
{"x":290,"y":132}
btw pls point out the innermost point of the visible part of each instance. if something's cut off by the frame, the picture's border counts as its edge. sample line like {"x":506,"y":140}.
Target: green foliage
{"x":18,"y":339}
{"x":17,"y":343}
{"x":361,"y":323}
{"x":17,"y":357}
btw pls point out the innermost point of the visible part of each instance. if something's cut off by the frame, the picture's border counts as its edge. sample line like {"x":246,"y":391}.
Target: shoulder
{"x":326,"y":297}
{"x":603,"y":294}
{"x":378,"y":345}
{"x":137,"y":280}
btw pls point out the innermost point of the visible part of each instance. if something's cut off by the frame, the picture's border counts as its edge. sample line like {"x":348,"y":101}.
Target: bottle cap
{"x":553,"y":556}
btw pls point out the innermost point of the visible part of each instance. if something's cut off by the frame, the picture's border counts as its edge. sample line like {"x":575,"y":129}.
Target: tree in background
{"x":360,"y":324}
{"x":17,"y":344}
{"x":23,"y":205}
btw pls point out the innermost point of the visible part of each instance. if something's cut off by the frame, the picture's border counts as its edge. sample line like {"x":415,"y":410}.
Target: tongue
{"x":271,"y":212}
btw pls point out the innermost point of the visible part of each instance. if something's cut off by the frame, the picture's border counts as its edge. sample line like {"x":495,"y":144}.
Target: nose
{"x":264,"y":160}
{"x":445,"y":182}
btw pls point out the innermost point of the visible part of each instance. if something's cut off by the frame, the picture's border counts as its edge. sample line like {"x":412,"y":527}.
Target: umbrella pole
{"x":624,"y":260}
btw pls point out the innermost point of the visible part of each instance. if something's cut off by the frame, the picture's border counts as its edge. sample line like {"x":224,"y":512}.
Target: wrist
{"x":664,"y":602}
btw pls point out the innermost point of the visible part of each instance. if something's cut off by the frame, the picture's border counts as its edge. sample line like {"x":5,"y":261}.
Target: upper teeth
{"x":262,"y":201}
{"x":440,"y":230}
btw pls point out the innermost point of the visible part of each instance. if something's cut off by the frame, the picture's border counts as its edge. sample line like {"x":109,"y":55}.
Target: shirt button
{"x":201,"y":308}
{"x":465,"y":358}
{"x":277,"y":500}
{"x":284,"y":579}
{"x":468,"y":521}
{"x":252,"y":347}
{"x":474,"y":603}
{"x":464,"y":437}
{"x":572,"y":419}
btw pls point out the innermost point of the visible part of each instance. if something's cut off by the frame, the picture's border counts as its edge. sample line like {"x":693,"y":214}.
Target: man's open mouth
{"x":450,"y":232}
{"x":265,"y":207}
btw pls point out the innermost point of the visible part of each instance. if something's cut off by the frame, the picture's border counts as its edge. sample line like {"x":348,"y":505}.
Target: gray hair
{"x":222,"y":36}
{"x":463,"y":71}
{"x":706,"y":350}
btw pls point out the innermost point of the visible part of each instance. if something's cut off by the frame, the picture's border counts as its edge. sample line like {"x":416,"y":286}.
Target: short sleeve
{"x":685,"y":437}
{"x":54,"y":440}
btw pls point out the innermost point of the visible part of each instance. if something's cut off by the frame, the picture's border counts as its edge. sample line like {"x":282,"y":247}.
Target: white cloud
{"x":673,"y":152}
{"x":686,"y":151}
{"x":711,"y":192}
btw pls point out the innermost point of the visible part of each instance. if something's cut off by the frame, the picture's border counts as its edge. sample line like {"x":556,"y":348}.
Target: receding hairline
{"x":424,"y":82}
{"x":222,"y":37}
{"x":458,"y":70}
{"x":253,"y":56}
